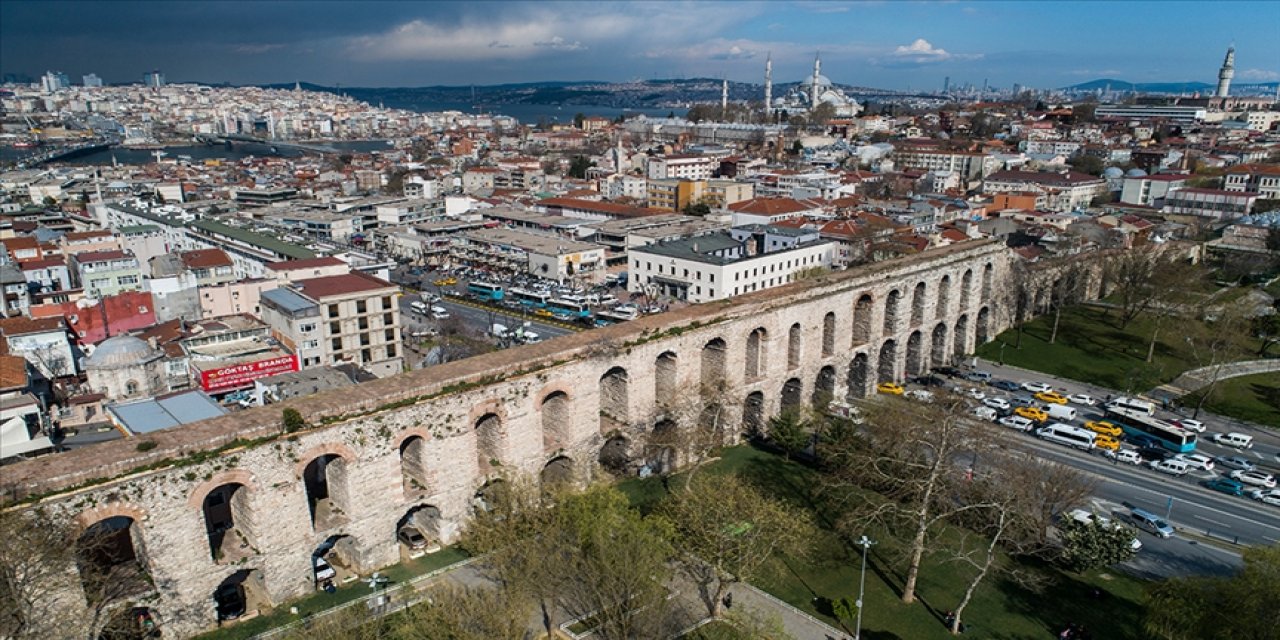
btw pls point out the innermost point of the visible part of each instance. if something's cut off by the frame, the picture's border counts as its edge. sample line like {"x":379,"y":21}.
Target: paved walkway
{"x":797,"y":623}
{"x":1197,"y":379}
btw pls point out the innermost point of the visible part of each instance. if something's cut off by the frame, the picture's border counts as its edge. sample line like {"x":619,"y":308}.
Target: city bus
{"x":1136,"y":422}
{"x":569,"y":307}
{"x":535,"y":299}
{"x":485,"y":291}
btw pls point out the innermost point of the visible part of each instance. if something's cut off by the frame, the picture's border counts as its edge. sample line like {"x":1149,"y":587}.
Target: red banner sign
{"x":242,"y":375}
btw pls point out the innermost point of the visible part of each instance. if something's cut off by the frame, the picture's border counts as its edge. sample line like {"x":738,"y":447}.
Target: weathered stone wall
{"x":484,"y":418}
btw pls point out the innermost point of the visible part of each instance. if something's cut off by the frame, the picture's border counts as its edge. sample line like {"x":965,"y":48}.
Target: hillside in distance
{"x":1112,"y":84}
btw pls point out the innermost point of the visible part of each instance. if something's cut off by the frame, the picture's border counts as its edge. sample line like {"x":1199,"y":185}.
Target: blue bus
{"x":570,"y":308}
{"x":485,"y":291}
{"x":535,"y":299}
{"x":1137,"y":423}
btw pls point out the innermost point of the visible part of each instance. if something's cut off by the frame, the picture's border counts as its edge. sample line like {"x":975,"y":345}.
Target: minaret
{"x":768,"y":86}
{"x":724,"y":100}
{"x":813,"y":88}
{"x":1226,"y":73}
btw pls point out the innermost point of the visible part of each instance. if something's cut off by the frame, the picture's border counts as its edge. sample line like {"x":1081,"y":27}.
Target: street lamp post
{"x":865,"y":543}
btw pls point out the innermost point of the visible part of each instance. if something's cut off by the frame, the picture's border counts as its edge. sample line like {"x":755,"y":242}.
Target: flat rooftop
{"x":543,"y":244}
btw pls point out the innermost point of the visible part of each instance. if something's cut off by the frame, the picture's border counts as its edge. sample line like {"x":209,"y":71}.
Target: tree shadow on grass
{"x":1067,"y":599}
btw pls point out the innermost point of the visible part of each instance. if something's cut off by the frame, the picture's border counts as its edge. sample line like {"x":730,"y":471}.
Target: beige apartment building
{"x":330,"y":320}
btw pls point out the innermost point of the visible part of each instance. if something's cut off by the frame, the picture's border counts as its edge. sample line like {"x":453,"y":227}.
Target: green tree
{"x":578,"y":166}
{"x":1086,"y":163}
{"x":790,"y":430}
{"x":1094,"y":544}
{"x":1241,"y":607}
{"x":459,"y":613}
{"x":728,"y":529}
{"x":291,"y":419}
{"x":578,"y":119}
{"x":1267,"y":329}
{"x":697,"y":209}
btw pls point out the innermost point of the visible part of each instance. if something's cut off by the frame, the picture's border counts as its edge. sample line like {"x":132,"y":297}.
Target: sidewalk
{"x":797,"y":623}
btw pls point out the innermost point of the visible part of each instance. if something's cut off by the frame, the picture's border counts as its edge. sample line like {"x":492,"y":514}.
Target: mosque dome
{"x":120,"y":351}
{"x":1136,"y":173}
{"x":822,"y":81}
{"x":1113,"y":172}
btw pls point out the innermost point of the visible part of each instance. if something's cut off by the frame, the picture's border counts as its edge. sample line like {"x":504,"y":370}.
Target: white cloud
{"x":921,"y":52}
{"x":560,"y":44}
{"x":1259,"y":75}
{"x":253,"y":49}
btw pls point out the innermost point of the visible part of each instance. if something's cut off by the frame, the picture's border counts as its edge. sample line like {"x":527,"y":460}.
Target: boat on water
{"x":26,"y":144}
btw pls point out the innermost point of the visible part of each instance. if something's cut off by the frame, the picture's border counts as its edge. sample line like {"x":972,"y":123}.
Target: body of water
{"x":532,"y":113}
{"x":196,"y":152}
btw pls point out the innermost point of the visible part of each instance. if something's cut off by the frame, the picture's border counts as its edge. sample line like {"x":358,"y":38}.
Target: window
{"x":388,"y":319}
{"x":336,"y":344}
{"x":361,"y":307}
{"x":362,"y":323}
{"x":364,"y":339}
{"x":124,"y":280}
{"x":391,"y":351}
{"x":365,"y":355}
{"x":333,"y":311}
{"x":308,"y":327}
{"x":386,"y":302}
{"x":310,"y":344}
{"x":390,"y":335}
{"x":335,"y":327}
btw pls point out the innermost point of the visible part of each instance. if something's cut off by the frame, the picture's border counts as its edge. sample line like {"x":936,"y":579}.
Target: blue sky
{"x":892,"y":44}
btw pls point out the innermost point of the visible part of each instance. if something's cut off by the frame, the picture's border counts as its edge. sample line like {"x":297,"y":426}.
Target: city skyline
{"x":888,"y":45}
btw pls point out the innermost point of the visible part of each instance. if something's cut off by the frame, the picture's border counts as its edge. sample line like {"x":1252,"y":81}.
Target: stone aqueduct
{"x":235,"y":499}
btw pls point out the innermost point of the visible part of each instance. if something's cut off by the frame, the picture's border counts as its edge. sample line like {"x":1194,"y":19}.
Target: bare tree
{"x":704,"y":417}
{"x":1213,"y":344}
{"x":37,"y":563}
{"x":1129,"y":273}
{"x":1067,"y":289}
{"x":1173,"y":293}
{"x":461,"y":613}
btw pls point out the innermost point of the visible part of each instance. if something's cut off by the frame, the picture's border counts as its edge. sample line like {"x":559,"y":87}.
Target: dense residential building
{"x":349,"y":318}
{"x":1218,"y":204}
{"x":105,"y":273}
{"x":1065,"y":190}
{"x":686,"y":167}
{"x":1150,"y":191}
{"x":1263,"y":179}
{"x":543,"y":255}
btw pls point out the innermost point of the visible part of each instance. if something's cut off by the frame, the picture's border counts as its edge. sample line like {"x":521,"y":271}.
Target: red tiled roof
{"x":1043,"y":177}
{"x":22,"y":325}
{"x":609,"y":208}
{"x":43,"y":263}
{"x":326,"y":286}
{"x":87,"y":235}
{"x":205,"y":258}
{"x":100,"y":256}
{"x":13,"y":372}
{"x":1254,"y":168}
{"x":770,"y":206}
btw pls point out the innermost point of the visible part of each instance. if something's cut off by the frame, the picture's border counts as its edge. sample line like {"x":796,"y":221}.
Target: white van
{"x":1172,"y":466}
{"x":1067,"y":435}
{"x":1061,"y":412}
{"x":984,"y":413}
{"x":439,"y":313}
{"x":1133,"y":404}
{"x":1233,"y":439}
{"x":419,"y":306}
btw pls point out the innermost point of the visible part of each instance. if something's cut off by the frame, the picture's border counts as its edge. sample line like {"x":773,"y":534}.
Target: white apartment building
{"x":1065,"y":191}
{"x":1263,"y":179}
{"x":1149,"y":191}
{"x":687,"y":167}
{"x":724,"y":264}
{"x":969,"y":166}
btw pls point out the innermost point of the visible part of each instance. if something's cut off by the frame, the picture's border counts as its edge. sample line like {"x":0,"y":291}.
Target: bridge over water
{"x":236,"y":138}
{"x":66,"y":151}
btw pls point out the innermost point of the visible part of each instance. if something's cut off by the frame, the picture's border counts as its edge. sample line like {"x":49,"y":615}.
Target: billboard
{"x":242,"y":375}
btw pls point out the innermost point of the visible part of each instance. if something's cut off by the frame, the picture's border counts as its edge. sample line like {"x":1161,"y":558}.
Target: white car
{"x":976,"y":394}
{"x":1172,"y":466}
{"x":1266,"y":496}
{"x":1127,"y":456}
{"x":1193,"y":425}
{"x":1016,"y":422}
{"x":1197,"y":460}
{"x":920,"y":394}
{"x":983,"y":413}
{"x":999,"y":404}
{"x":1036,"y":387}
{"x":1255,"y":478}
{"x":1082,"y":399}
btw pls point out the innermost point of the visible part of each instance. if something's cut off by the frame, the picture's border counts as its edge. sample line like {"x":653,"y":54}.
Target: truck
{"x":499,"y":331}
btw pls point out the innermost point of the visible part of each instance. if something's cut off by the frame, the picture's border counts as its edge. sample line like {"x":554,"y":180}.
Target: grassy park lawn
{"x":1254,"y":398}
{"x":321,"y":601}
{"x":1001,"y":607}
{"x":1091,"y":348}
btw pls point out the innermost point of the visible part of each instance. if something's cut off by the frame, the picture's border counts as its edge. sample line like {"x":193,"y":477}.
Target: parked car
{"x":1082,"y":399}
{"x":1236,"y":462}
{"x":1151,"y":523}
{"x":1006,"y":385}
{"x":977,"y":376}
{"x":999,"y":404}
{"x":1255,"y":478}
{"x":1193,"y":425}
{"x":1266,"y":496}
{"x":891,"y":388}
{"x":412,"y":538}
{"x":950,"y":372}
{"x":929,"y":381}
{"x":920,"y":394}
{"x":1036,"y":387}
{"x":1197,"y":460}
{"x":983,"y":413}
{"x":1225,"y":485}
{"x":1051,"y":396}
{"x":1016,"y":422}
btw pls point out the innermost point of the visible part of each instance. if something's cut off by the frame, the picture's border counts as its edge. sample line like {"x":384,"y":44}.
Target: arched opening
{"x":917,"y":304}
{"x":824,"y":388}
{"x":828,"y":334}
{"x":489,"y":437}
{"x":713,"y":365}
{"x":891,"y":312}
{"x":938,"y":344}
{"x":793,"y":346}
{"x":337,"y":559}
{"x":110,"y":557}
{"x":613,"y":400}
{"x":960,"y":336}
{"x":243,"y":593}
{"x":966,"y":288}
{"x":556,"y":422}
{"x":944,"y":297}
{"x":418,"y":531}
{"x":887,"y":364}
{"x":325,"y":479}
{"x":131,"y":622}
{"x":615,"y":456}
{"x":665,"y":383}
{"x":753,"y":414}
{"x":983,"y":326}
{"x":859,"y":383}
{"x":792,"y":391}
{"x":413,"y":466}
{"x":755,"y":360}
{"x":915,"y":354}
{"x":228,"y":524}
{"x":660,"y":454}
{"x":557,"y":474}
{"x":988,"y":274}
{"x":862,"y":320}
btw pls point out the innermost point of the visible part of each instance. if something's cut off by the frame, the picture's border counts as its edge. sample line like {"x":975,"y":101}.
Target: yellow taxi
{"x":1032,"y":413}
{"x":542,"y":312}
{"x":890,"y":387}
{"x":1104,"y":428}
{"x":445,"y":282}
{"x":1106,"y":442}
{"x":1051,"y":396}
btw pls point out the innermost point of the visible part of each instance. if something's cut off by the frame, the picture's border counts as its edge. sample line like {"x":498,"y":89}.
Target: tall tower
{"x":1226,"y":73}
{"x":724,"y":99}
{"x":768,"y":85}
{"x":813,"y":87}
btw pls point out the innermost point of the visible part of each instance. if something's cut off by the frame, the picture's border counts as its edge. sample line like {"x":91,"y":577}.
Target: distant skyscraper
{"x":54,"y":81}
{"x":92,"y":80}
{"x":768,"y":84}
{"x":946,"y":85}
{"x":153,"y":79}
{"x":1226,"y":73}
